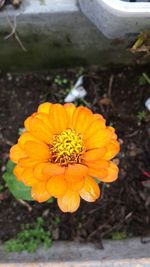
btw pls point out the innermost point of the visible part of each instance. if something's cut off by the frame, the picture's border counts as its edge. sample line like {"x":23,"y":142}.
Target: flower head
{"x":62,"y":151}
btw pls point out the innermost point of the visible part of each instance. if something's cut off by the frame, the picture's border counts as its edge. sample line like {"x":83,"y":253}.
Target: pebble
{"x":45,"y":213}
{"x":9,"y":76}
{"x":120,"y":141}
{"x":147,"y":103}
{"x":3,"y":168}
{"x":116,"y":161}
{"x":55,"y":234}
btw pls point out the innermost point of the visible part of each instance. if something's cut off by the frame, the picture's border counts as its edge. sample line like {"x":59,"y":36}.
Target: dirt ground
{"x":119,"y":94}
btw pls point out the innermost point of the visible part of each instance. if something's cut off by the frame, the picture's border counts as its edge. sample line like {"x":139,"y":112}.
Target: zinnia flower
{"x":62,"y":151}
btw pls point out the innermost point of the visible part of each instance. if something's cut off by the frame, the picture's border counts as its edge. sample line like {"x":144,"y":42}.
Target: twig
{"x":146,"y":77}
{"x":102,"y":190}
{"x":111,"y":79}
{"x":6,"y":141}
{"x":109,"y":229}
{"x":132,"y":134}
{"x":95,"y":93}
{"x":110,"y":85}
{"x":117,"y":225}
{"x":14,"y":33}
{"x":25,"y":204}
{"x":102,"y":110}
{"x":9,"y":143}
{"x":85,"y":102}
{"x":13,"y":28}
{"x":100,"y":227}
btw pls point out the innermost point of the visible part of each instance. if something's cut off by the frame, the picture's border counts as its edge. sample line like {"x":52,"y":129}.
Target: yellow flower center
{"x":67,"y":148}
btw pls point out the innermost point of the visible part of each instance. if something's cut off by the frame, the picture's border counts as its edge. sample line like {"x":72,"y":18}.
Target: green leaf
{"x":97,"y":180}
{"x":118,"y":235}
{"x":10,"y":166}
{"x":51,"y":200}
{"x":30,"y":237}
{"x":142,"y":80}
{"x":18,"y":189}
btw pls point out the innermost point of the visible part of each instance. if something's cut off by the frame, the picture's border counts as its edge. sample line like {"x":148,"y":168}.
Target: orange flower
{"x":61,"y":153}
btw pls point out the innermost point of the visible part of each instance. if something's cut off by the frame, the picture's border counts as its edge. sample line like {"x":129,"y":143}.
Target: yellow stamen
{"x":67,"y":148}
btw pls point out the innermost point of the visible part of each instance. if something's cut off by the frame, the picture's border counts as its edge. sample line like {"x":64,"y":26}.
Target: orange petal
{"x":38,"y":171}
{"x":76,"y":186}
{"x":112,"y":131}
{"x":82,"y":118}
{"x":39,"y":192}
{"x":112,"y":173}
{"x":70,"y":202}
{"x":18,"y":171}
{"x":27,"y":162}
{"x":16,"y":153}
{"x":46,"y":120}
{"x":98,"y":169}
{"x":37,"y":151}
{"x":98,"y":140}
{"x":56,"y":186}
{"x":40,"y":130}
{"x":99,"y":117}
{"x":25,"y":137}
{"x":28,"y":121}
{"x":43,"y":120}
{"x":58,"y":118}
{"x":51,"y":169}
{"x":96,"y":127}
{"x":27,"y":177}
{"x":70,"y":108}
{"x":75,"y":171}
{"x":97,"y":164}
{"x":90,"y":191}
{"x":44,"y":108}
{"x":99,"y":174}
{"x":94,"y":154}
{"x":112,"y":149}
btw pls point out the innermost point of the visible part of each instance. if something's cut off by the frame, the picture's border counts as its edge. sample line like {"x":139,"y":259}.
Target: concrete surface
{"x":117,"y":19}
{"x":127,"y":253}
{"x":56,"y":34}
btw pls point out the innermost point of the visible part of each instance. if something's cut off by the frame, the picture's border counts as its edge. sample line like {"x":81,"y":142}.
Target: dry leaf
{"x":16,"y":3}
{"x":142,"y":43}
{"x":106,"y":101}
{"x":2,"y":2}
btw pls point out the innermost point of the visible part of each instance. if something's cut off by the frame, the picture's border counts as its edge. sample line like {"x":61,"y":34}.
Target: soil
{"x":124,"y":205}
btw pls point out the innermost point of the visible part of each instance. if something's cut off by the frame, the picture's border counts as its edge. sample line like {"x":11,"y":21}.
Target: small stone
{"x":48,"y":78}
{"x":116,"y":161}
{"x":17,"y":79}
{"x":3,"y":168}
{"x":120,"y":141}
{"x":45,"y":213}
{"x":55,"y":234}
{"x":134,"y":150}
{"x":147,"y":103}
{"x":132,"y":153}
{"x":9,"y":76}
